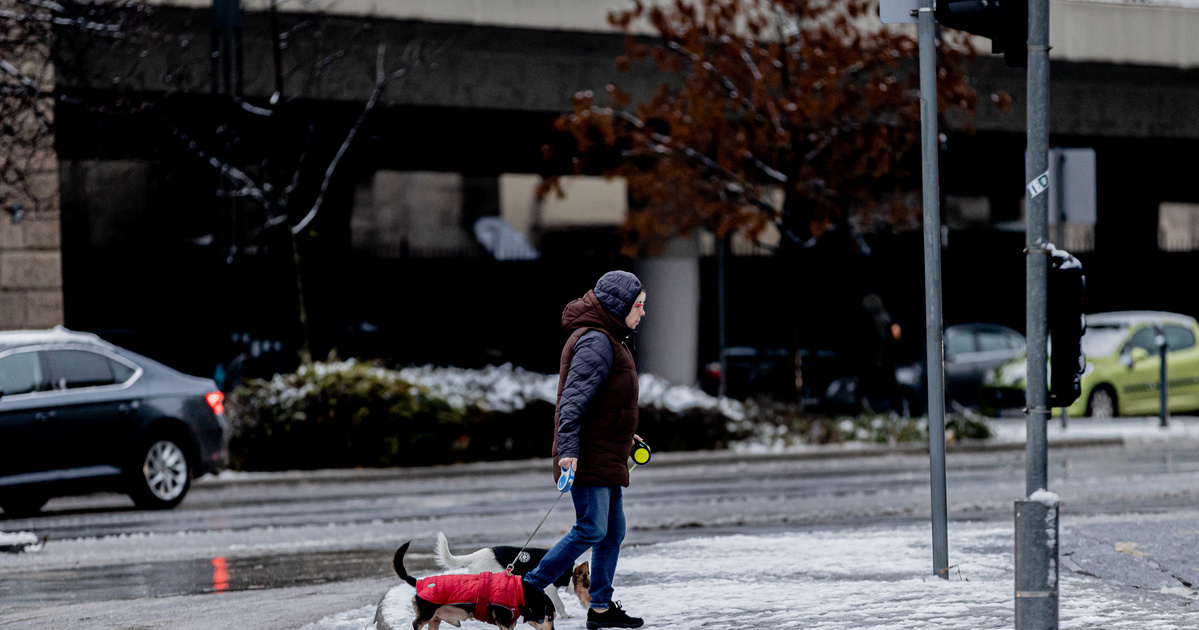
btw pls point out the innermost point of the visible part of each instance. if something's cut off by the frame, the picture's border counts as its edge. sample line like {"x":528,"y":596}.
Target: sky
{"x":820,"y":580}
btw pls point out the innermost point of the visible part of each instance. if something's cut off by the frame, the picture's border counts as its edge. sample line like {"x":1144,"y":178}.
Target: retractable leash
{"x":640,"y":454}
{"x":565,"y":481}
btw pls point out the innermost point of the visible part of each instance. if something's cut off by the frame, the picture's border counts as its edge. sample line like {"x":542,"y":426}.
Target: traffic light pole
{"x":1036,"y":517}
{"x":934,"y":348}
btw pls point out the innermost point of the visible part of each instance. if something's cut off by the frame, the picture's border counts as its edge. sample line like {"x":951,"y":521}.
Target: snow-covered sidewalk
{"x":1129,"y":429}
{"x":853,"y":578}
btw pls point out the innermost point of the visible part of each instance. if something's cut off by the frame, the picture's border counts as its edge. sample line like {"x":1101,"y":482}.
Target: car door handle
{"x":129,"y":407}
{"x":43,"y":416}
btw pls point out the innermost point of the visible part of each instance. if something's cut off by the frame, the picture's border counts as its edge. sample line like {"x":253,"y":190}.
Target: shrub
{"x":349,"y":414}
{"x":966,"y":426}
{"x":345,"y":415}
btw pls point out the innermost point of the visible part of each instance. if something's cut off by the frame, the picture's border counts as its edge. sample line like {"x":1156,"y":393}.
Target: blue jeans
{"x":599,"y":524}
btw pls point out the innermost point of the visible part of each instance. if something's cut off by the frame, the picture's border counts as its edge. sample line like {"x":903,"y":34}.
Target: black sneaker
{"x":614,"y":617}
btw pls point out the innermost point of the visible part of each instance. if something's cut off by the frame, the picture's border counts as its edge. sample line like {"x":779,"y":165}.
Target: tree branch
{"x":381,"y":81}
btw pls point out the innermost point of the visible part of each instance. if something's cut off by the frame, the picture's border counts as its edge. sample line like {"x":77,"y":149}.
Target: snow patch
{"x":507,"y":388}
{"x":357,"y":619}
{"x":17,"y":542}
{"x":396,"y":607}
{"x":824,"y":580}
{"x":1045,"y":497}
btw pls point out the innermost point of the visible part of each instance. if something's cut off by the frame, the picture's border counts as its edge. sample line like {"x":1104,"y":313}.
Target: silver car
{"x":81,"y":415}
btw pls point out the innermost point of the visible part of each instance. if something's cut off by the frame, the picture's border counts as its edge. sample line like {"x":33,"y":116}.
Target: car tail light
{"x":216,"y":400}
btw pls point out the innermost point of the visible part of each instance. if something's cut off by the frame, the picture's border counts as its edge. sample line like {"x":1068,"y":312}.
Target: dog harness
{"x":525,"y":560}
{"x":479,"y":589}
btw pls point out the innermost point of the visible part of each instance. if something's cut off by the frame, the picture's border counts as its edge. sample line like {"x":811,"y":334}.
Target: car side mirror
{"x":1137,"y":355}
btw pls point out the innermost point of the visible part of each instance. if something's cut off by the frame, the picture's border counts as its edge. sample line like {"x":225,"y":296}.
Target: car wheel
{"x":22,"y":505}
{"x":164,"y":476}
{"x":1102,"y":403}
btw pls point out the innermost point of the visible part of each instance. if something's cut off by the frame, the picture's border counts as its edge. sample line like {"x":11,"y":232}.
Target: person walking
{"x":595,"y":426}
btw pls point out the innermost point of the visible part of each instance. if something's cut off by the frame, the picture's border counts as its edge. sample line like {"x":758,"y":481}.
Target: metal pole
{"x":1164,"y":383}
{"x":934,"y":348}
{"x":1059,"y":176}
{"x":721,"y":242}
{"x":1037,"y":225}
{"x":1036,"y":594}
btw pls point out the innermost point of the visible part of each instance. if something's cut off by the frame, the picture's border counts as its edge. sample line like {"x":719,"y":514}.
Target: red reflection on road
{"x":220,"y":575}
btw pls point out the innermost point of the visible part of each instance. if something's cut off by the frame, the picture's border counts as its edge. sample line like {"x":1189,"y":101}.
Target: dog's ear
{"x":581,"y":584}
{"x":541,"y":610}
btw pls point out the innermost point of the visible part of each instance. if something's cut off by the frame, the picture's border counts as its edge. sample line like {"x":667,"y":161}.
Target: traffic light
{"x":1005,"y":22}
{"x":1067,"y":324}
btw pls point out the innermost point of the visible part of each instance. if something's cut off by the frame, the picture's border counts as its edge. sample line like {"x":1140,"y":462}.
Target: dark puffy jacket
{"x":596,"y":415}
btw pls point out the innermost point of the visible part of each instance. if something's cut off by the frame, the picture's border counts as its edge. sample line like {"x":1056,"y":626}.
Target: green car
{"x":1123,"y":368}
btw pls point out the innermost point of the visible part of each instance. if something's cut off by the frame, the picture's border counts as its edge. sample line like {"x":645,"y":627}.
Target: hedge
{"x":350,"y":414}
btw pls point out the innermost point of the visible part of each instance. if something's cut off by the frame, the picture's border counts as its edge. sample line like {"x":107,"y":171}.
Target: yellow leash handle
{"x":640,"y":454}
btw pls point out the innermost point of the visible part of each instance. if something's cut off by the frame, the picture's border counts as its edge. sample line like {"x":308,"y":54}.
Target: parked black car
{"x":971,"y":350}
{"x":770,"y":372}
{"x":80,"y":415}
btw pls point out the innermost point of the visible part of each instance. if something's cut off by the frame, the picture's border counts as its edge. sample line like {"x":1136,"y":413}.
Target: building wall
{"x":516,"y":77}
{"x":1152,"y":32}
{"x":30,"y":272}
{"x":30,"y":240}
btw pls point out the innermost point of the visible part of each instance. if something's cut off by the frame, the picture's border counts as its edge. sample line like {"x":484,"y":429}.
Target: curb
{"x":689,"y":458}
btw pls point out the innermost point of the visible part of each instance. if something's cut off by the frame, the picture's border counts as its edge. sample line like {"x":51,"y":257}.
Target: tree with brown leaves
{"x":802,"y":114}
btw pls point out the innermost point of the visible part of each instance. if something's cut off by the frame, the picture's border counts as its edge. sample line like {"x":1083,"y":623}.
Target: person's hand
{"x":569,"y":462}
{"x":636,"y":439}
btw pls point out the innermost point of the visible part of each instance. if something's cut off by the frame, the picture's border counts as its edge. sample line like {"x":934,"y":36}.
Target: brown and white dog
{"x":498,"y":599}
{"x":496,"y":559}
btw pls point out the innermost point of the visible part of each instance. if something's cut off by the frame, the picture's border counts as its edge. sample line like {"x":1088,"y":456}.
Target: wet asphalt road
{"x":285,"y":537}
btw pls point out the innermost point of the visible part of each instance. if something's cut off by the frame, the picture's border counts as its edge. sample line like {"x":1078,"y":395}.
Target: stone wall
{"x":31,"y":271}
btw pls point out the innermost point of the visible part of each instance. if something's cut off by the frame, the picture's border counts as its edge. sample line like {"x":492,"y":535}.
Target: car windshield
{"x":1101,"y":341}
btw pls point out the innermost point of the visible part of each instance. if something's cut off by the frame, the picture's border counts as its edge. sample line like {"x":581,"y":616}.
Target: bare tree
{"x":281,"y":188}
{"x":28,"y":29}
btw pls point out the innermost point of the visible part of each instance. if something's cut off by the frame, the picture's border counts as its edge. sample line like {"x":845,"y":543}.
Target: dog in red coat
{"x":495,"y":598}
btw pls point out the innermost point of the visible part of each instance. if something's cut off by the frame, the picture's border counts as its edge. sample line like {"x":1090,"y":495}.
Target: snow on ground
{"x":17,"y":542}
{"x":17,"y":538}
{"x":1130,"y":429}
{"x":355,"y":619}
{"x":861,"y":578}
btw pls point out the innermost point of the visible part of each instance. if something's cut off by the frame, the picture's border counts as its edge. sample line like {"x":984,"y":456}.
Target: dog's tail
{"x":397,"y":563}
{"x":447,"y":560}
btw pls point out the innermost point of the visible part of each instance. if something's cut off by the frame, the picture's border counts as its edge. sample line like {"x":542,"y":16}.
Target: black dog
{"x":493,"y":599}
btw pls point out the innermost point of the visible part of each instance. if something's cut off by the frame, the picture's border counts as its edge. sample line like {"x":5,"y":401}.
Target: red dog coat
{"x":479,"y":589}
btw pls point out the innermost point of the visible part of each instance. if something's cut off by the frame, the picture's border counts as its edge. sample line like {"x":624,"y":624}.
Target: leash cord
{"x":512,"y":565}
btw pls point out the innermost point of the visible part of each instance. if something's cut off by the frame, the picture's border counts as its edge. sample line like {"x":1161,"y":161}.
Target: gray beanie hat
{"x":617,"y":291}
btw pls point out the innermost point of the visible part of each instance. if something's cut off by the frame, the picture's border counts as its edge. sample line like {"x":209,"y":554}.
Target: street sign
{"x":1075,"y":199}
{"x":898,"y":11}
